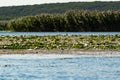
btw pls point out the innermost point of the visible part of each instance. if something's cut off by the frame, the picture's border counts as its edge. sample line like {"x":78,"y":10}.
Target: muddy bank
{"x":71,"y":51}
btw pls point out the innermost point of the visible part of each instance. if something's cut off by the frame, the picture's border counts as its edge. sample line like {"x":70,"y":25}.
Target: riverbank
{"x":61,"y":42}
{"x":62,"y":52}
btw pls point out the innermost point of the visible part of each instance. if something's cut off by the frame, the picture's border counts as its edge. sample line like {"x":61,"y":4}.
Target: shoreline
{"x":62,"y":52}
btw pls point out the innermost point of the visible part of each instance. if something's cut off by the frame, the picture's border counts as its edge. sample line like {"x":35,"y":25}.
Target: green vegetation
{"x":7,"y":13}
{"x":3,"y":25}
{"x":93,"y":42}
{"x":71,"y":21}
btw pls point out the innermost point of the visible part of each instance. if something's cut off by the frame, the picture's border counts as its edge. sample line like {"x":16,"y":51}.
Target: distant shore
{"x":71,"y":52}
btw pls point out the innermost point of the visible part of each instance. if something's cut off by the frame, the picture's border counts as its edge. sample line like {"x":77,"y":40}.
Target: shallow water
{"x":58,"y":67}
{"x":56,"y":33}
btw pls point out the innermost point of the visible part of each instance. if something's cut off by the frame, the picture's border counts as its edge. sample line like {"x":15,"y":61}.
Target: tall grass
{"x":3,"y":25}
{"x":70,"y":21}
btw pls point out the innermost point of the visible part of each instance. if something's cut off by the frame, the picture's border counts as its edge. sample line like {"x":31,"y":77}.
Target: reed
{"x":71,"y":21}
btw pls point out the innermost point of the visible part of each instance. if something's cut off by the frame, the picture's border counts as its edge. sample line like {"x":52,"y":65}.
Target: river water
{"x":56,"y":33}
{"x":58,"y":67}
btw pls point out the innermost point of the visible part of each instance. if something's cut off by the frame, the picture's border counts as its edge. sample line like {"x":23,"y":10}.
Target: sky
{"x":31,"y":2}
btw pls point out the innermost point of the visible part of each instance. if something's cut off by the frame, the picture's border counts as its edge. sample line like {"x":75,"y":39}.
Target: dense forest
{"x":7,"y":13}
{"x":70,"y":21}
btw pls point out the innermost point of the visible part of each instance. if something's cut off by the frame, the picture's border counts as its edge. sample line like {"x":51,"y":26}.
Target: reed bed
{"x":71,"y":21}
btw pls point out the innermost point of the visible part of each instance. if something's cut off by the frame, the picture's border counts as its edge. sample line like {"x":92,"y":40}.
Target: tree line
{"x":11,"y":12}
{"x":71,"y":21}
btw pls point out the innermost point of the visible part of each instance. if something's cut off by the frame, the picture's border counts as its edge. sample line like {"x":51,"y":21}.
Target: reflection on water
{"x":73,"y":68}
{"x":57,"y":33}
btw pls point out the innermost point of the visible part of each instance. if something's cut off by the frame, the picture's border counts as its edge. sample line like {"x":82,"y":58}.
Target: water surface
{"x":56,"y":33}
{"x":58,"y":67}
